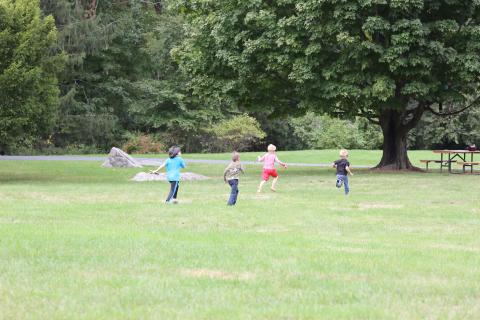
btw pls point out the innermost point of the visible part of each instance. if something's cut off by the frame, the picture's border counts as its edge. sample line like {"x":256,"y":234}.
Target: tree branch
{"x":417,"y":115}
{"x":446,"y":114}
{"x":360,"y":114}
{"x":369,"y":117}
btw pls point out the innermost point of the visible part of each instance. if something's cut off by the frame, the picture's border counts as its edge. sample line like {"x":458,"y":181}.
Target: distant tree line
{"x":86,"y":75}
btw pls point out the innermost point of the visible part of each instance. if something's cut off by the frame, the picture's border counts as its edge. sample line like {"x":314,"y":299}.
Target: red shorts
{"x":269,"y":172}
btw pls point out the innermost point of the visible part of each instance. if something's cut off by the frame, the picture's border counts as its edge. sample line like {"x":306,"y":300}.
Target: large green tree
{"x":28,"y":68}
{"x":389,"y":61}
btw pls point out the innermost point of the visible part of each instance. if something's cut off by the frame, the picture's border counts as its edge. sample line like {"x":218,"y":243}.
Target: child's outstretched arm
{"x":280,"y":162}
{"x":159,"y":168}
{"x":334,"y":165}
{"x":261,"y":158}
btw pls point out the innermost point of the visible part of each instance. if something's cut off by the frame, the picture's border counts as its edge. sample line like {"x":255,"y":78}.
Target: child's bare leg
{"x":274,"y":182}
{"x":261,"y":186}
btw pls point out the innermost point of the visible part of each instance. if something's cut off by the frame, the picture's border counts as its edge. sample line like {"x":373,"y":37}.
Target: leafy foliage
{"x":324,"y":132}
{"x":237,"y":133}
{"x":28,"y":69}
{"x":85,"y":30}
{"x":392,"y":62}
{"x":281,"y":132}
{"x":447,"y":132}
{"x":120,"y":76}
{"x":143,"y":144}
{"x":389,"y":61}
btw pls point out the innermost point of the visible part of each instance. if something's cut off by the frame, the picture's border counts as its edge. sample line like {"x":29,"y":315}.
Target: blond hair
{"x":271,"y":147}
{"x":343,"y":153}
{"x":235,"y":156}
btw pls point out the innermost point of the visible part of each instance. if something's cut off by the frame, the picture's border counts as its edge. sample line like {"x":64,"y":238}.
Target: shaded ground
{"x":186,"y":176}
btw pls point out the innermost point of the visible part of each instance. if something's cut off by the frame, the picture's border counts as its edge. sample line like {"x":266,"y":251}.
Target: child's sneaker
{"x":339,"y":183}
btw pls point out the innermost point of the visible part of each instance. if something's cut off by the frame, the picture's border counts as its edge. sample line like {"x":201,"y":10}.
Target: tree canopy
{"x":85,"y":75}
{"x":389,"y":61}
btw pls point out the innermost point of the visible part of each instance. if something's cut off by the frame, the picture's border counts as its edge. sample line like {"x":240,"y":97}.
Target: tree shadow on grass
{"x":317,"y":172}
{"x":28,"y":178}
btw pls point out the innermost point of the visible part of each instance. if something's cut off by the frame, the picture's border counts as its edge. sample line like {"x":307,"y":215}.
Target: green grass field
{"x":82,"y":242}
{"x":357,"y":157}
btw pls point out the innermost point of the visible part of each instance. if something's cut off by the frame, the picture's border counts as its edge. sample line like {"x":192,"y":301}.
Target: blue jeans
{"x":341,"y":179}
{"x":233,"y":195}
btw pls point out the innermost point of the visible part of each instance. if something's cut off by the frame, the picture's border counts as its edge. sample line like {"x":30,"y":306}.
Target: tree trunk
{"x":395,"y":129}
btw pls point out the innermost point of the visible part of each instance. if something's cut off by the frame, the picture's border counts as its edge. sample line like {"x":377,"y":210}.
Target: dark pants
{"x":174,"y":185}
{"x":233,"y":195}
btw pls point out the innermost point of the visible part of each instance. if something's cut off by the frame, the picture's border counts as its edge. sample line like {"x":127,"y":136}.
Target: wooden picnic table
{"x":452,"y":154}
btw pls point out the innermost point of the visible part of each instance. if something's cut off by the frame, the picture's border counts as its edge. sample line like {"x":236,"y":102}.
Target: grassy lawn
{"x":82,"y":242}
{"x":357,"y":157}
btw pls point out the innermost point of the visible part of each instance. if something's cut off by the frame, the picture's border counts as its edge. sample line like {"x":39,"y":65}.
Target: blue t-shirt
{"x":173,"y":166}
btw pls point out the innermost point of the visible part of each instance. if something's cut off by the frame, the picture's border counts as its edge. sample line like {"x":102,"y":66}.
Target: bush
{"x":43,"y":147}
{"x":238,"y":133}
{"x":324,"y":132}
{"x":370,"y":135}
{"x":143,"y":143}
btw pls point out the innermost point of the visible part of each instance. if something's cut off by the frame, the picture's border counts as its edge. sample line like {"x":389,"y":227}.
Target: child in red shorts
{"x":269,"y":160}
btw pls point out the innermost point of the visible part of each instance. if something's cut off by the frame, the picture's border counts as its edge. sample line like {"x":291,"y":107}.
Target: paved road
{"x":151,"y":161}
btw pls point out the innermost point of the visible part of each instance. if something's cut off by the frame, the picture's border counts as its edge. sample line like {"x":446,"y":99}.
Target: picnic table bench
{"x":443,"y":163}
{"x":470,"y":164}
{"x":461,"y":155}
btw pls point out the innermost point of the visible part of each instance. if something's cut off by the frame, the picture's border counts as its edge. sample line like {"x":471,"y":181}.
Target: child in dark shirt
{"x":343,"y":169}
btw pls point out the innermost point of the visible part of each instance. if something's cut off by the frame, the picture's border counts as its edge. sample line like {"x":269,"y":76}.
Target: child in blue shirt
{"x":173,"y":166}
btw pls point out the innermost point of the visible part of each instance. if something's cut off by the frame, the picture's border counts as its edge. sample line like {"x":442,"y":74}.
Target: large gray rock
{"x":120,"y":159}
